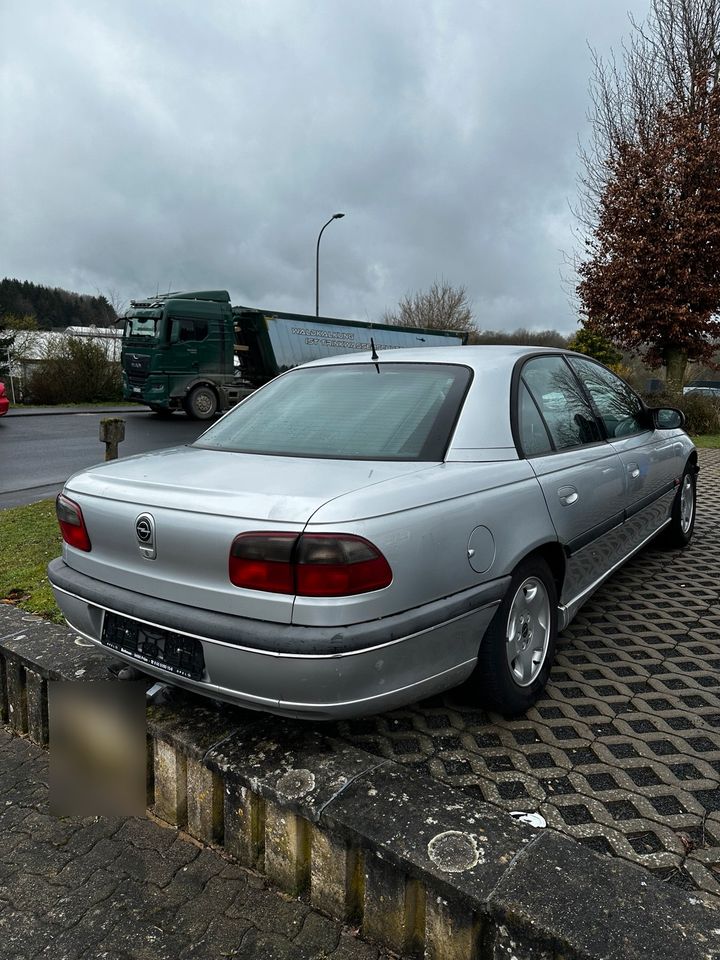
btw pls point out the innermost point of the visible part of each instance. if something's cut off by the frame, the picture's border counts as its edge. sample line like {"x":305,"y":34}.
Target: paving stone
{"x":74,"y":889}
{"x":24,"y":935}
{"x":634,"y":700}
{"x":268,"y":946}
{"x":32,"y":893}
{"x":350,"y":948}
{"x":158,"y":867}
{"x":318,"y":936}
{"x":220,"y":939}
{"x":72,"y":904}
{"x":269,"y":910}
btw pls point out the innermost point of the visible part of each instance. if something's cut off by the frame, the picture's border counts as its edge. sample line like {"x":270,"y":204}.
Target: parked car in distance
{"x":363,"y":532}
{"x":707,"y":388}
{"x":4,"y":400}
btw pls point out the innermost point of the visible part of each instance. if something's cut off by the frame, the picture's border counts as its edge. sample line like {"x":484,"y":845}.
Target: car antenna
{"x":374,"y":355}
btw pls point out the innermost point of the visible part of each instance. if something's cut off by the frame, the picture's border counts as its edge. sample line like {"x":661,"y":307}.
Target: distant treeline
{"x":521,"y":336}
{"x":53,"y":307}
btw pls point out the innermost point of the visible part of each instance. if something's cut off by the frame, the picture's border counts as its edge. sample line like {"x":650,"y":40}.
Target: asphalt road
{"x":38,"y":453}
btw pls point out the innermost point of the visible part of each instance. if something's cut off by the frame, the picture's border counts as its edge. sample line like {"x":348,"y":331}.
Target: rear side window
{"x":534,"y":437}
{"x":391,"y":411}
{"x":561,"y":401}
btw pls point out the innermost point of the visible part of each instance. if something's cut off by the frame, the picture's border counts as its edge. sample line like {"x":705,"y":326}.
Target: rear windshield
{"x":388,"y":411}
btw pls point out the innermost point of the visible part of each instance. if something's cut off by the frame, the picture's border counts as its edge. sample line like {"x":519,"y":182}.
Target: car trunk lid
{"x":199,"y":501}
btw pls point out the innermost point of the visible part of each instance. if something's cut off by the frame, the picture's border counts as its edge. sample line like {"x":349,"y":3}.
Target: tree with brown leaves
{"x":650,"y":280}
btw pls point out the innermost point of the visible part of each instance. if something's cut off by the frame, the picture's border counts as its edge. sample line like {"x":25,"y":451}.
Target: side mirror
{"x":175,"y":333}
{"x":668,"y":418}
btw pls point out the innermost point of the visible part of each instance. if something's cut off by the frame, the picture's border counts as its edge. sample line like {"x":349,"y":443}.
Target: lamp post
{"x":335,"y":216}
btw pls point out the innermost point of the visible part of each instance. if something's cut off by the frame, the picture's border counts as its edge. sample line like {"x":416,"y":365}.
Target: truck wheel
{"x":201,"y":403}
{"x":518,"y":648}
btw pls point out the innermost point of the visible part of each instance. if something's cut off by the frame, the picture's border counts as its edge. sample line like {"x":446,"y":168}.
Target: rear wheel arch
{"x":518,"y":645}
{"x":201,"y":383}
{"x":678,"y":532}
{"x":554,"y":556}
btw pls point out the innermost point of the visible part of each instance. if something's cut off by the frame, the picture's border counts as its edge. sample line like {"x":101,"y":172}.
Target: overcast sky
{"x":147,"y":145}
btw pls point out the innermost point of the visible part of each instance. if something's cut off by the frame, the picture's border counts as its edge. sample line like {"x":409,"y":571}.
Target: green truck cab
{"x":196,"y":352}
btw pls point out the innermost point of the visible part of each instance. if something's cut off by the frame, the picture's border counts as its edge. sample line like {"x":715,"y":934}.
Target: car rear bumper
{"x":300,"y":671}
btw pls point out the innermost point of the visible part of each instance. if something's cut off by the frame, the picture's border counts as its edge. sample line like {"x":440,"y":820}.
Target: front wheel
{"x":201,"y":403}
{"x":682,"y":519}
{"x":518,"y":648}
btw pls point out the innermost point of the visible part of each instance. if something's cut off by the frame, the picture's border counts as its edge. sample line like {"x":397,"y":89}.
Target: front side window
{"x":620,"y":408}
{"x":392,"y":411}
{"x":189,"y":329}
{"x":561,"y":401}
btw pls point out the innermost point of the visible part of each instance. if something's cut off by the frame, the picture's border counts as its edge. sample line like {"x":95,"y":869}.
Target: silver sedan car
{"x":363,"y":532}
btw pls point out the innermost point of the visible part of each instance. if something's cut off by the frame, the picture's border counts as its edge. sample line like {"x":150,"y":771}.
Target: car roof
{"x":477,"y":356}
{"x":483,"y":430}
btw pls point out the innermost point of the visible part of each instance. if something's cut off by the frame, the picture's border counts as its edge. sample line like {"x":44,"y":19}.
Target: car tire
{"x":518,"y":648}
{"x":679,"y":531}
{"x":201,"y":403}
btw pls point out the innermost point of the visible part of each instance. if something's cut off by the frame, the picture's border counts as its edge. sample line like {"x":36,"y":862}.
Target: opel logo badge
{"x":145,"y":533}
{"x":143,"y":529}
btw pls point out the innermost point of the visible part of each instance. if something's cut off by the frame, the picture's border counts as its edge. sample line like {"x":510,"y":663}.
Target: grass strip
{"x":707,"y":440}
{"x":29,"y":539}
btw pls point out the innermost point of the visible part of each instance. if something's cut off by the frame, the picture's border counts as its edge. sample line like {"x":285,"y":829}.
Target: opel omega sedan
{"x":361,"y":533}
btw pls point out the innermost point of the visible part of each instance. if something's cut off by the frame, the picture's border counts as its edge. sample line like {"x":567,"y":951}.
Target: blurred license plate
{"x":160,"y":648}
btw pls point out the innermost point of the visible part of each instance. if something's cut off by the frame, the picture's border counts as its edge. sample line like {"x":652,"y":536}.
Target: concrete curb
{"x":419,"y":867}
{"x":69,"y":411}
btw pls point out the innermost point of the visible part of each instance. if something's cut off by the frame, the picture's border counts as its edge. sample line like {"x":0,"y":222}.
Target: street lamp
{"x":335,"y":216}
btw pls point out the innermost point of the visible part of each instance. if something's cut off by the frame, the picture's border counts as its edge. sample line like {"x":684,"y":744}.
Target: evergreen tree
{"x":53,"y":307}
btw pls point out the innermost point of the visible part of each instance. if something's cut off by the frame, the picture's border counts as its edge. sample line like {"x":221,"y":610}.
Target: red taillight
{"x":310,"y":565}
{"x":262,"y":561}
{"x":339,"y":565}
{"x":72,"y":524}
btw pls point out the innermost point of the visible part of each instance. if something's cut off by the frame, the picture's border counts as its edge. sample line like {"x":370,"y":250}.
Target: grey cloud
{"x":184,"y":144}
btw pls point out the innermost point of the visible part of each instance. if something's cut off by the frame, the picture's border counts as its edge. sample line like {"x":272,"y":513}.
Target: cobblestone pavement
{"x":623,"y":751}
{"x":132,"y":890}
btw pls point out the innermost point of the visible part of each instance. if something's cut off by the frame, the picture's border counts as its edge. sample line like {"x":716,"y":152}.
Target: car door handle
{"x":634,"y":473}
{"x":567,"y":495}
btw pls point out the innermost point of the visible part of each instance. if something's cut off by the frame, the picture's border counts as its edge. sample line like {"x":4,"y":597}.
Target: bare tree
{"x":668,"y":59}
{"x":114,"y":306}
{"x":24,"y":331}
{"x":650,"y":276}
{"x":442,"y":307}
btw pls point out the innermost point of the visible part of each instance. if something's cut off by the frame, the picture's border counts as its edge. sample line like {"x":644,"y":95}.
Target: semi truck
{"x":196,"y":352}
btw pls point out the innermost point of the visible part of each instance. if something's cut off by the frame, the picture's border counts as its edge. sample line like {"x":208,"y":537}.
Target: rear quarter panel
{"x":422,"y":524}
